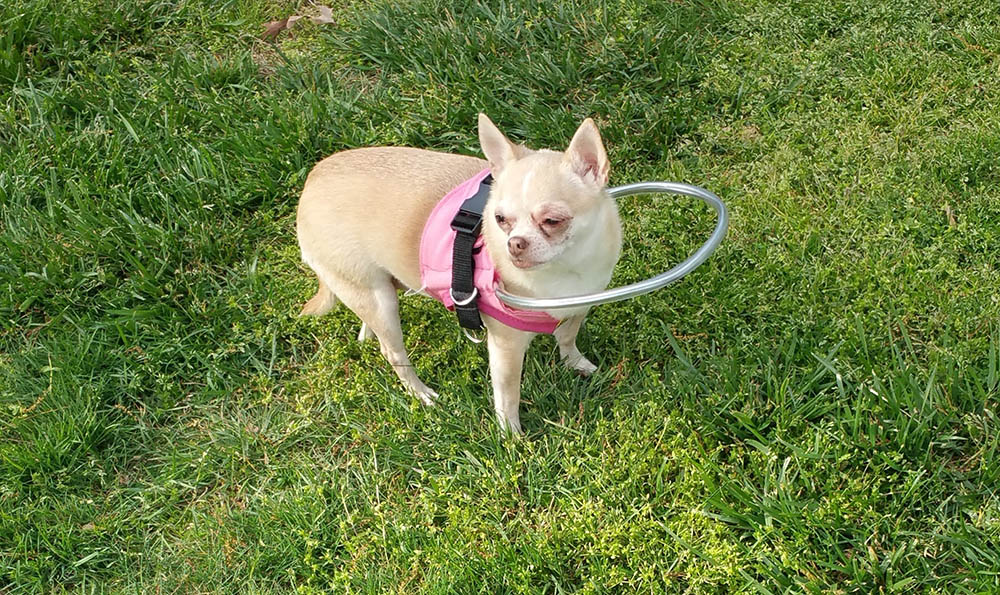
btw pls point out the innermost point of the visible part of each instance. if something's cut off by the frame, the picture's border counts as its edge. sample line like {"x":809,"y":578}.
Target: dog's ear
{"x":497,"y":148}
{"x":586,"y":155}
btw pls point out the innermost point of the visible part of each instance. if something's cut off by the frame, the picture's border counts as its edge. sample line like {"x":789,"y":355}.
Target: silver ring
{"x":653,"y":283}
{"x":465,"y":302}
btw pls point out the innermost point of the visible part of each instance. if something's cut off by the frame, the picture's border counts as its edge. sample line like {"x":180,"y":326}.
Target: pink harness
{"x":435,"y":265}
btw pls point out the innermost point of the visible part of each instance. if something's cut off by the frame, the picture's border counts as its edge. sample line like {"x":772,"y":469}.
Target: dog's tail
{"x":321,"y":303}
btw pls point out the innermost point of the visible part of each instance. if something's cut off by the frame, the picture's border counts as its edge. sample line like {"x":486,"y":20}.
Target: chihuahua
{"x":549,"y":227}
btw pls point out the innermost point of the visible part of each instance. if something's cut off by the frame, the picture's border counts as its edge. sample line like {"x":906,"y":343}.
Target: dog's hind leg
{"x":378,"y":308}
{"x":321,"y":303}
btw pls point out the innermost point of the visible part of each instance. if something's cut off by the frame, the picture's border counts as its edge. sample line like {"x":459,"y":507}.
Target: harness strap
{"x":467,"y":223}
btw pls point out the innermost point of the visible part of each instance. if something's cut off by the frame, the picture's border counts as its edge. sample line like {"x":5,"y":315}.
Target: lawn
{"x":813,"y":410}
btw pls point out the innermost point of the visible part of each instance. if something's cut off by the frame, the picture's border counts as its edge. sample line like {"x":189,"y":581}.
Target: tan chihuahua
{"x":549,"y":227}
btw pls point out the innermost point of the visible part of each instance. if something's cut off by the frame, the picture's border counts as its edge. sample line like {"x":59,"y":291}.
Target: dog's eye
{"x":501,"y":219}
{"x":550,"y":222}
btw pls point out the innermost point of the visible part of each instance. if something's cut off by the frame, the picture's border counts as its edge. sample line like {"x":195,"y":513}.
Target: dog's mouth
{"x":524,"y":263}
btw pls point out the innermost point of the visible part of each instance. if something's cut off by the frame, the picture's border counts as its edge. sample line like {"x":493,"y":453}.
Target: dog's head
{"x":548,"y":206}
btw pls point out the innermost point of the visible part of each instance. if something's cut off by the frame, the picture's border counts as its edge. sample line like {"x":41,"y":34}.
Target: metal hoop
{"x":652,"y":284}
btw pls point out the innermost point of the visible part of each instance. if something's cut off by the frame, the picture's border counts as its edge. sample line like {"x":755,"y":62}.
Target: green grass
{"x":814,"y":410}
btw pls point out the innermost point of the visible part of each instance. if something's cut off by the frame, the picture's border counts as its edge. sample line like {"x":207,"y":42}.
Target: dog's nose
{"x":516,"y":245}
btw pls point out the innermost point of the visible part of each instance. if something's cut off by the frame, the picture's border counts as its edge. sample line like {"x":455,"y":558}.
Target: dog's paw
{"x":510,"y":426}
{"x":427,"y":395}
{"x":582,"y":366}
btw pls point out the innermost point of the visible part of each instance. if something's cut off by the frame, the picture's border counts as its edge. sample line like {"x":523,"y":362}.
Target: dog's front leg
{"x":507,"y":347}
{"x":565,"y":335}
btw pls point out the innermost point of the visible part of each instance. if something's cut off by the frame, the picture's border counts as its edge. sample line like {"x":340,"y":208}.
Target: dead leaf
{"x":272,"y":28}
{"x":325,"y":15}
{"x":88,"y":527}
{"x":951,"y":215}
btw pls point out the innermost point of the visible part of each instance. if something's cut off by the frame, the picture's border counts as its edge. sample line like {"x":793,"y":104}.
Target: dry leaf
{"x":951,"y":215}
{"x":272,"y":28}
{"x":325,"y":15}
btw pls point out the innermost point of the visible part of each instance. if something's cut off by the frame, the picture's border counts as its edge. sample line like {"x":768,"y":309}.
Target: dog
{"x":549,"y":227}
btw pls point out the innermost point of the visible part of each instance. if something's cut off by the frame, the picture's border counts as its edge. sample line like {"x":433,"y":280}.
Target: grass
{"x":815,"y":410}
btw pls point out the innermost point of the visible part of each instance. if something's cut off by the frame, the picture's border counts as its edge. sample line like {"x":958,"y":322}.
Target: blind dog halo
{"x":653,"y":283}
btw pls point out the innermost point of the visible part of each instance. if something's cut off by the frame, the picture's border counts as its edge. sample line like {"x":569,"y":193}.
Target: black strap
{"x":467,"y":223}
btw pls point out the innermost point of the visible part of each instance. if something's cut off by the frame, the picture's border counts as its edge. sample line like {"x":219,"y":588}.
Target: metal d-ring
{"x":653,"y":283}
{"x":466,"y":301}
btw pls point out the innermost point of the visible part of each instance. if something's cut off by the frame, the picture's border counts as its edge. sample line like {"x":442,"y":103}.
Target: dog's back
{"x":366,"y":208}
